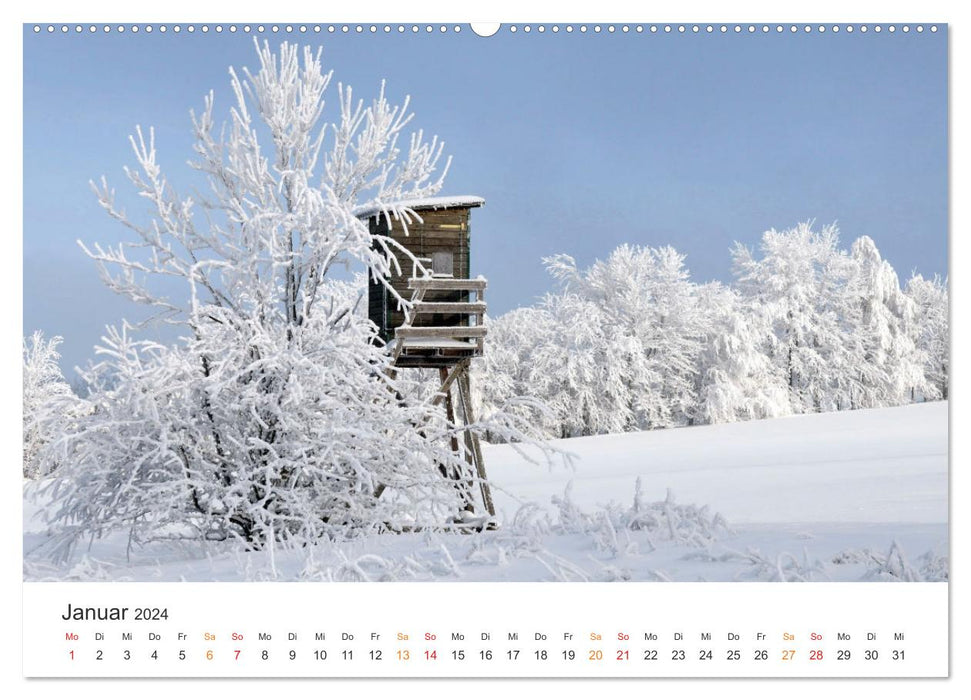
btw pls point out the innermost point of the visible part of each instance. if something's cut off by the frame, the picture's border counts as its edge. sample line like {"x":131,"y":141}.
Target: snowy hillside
{"x":885,"y":465}
{"x":842,"y":496}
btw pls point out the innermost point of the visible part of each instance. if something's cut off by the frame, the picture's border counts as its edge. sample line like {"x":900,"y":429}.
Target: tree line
{"x":631,"y":343}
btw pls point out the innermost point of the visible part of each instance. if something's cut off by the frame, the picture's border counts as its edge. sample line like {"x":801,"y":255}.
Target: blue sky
{"x":578,"y":143}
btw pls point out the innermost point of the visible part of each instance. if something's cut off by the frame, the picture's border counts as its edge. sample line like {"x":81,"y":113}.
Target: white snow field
{"x":856,"y":495}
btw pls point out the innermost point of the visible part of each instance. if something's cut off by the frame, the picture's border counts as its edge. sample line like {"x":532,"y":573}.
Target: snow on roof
{"x":366,"y":211}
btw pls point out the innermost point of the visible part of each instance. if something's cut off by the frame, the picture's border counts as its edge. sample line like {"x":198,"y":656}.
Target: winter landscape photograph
{"x":413,"y":304}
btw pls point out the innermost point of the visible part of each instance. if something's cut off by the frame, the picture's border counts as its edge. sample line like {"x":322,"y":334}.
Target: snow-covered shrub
{"x":784,"y":567}
{"x":893,"y":565}
{"x":659,"y":521}
{"x":49,"y":402}
{"x":274,"y":419}
{"x":271,"y":437}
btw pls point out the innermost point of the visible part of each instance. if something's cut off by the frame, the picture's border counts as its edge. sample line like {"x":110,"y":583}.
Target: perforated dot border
{"x":523,"y":29}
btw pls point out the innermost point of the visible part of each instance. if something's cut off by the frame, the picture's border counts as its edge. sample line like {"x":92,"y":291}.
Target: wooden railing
{"x":465,"y":340}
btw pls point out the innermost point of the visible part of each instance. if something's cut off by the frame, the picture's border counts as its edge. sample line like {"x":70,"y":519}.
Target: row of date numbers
{"x":539,"y":655}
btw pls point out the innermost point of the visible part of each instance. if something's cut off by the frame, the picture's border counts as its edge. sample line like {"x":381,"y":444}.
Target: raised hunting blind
{"x":443,"y":326}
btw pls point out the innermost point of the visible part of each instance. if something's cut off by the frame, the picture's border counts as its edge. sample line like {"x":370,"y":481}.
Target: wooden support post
{"x":472,"y":441}
{"x":464,"y":485}
{"x":447,"y":379}
{"x":449,"y":409}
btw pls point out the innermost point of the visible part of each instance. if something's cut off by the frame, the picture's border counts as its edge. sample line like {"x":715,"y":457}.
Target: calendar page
{"x":558,"y":350}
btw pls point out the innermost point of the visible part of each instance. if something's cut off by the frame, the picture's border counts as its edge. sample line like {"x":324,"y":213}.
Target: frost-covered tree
{"x":49,"y":402}
{"x":590,"y":375}
{"x":274,"y":417}
{"x":798,"y":285}
{"x":933,"y":338}
{"x":522,"y":344}
{"x":564,"y":354}
{"x":649,"y":312}
{"x":882,"y":325}
{"x":737,"y":378}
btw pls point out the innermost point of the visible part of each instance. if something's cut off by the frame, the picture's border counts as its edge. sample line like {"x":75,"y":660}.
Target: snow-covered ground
{"x":877,"y":466}
{"x":859,"y":495}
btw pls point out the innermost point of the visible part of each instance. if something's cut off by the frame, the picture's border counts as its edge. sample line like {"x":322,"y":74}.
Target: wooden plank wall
{"x":446,"y":229}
